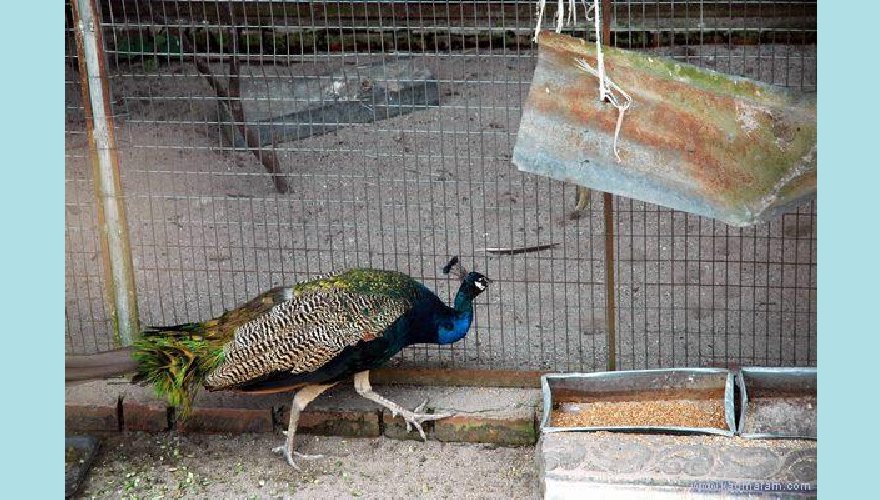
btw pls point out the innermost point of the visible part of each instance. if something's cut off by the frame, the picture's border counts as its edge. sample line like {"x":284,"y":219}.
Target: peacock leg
{"x":301,"y":399}
{"x":412,"y":418}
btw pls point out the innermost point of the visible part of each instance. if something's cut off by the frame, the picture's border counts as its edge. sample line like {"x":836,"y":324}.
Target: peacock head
{"x":472,"y":283}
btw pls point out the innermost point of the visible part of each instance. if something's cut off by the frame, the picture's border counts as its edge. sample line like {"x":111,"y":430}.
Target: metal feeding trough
{"x":777,"y":402}
{"x":693,"y":139}
{"x":621,"y":391}
{"x":281,"y":106}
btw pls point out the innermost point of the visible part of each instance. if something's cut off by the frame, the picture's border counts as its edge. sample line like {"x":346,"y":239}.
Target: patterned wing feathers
{"x":303,"y":333}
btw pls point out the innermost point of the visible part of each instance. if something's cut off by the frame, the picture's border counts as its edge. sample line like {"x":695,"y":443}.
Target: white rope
{"x":539,"y":13}
{"x":560,"y":15}
{"x":605,"y":84}
{"x":587,"y":10}
{"x":608,"y":90}
{"x":600,"y":60}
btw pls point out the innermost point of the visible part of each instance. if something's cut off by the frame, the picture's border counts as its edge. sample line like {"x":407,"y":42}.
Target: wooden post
{"x":119,"y":287}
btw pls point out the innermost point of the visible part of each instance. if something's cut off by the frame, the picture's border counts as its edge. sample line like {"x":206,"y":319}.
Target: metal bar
{"x":610,"y":287}
{"x":607,"y":9}
{"x":115,"y":247}
{"x":608,"y":209}
{"x":477,"y":15}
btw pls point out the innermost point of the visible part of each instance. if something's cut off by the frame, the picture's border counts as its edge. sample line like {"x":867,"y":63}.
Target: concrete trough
{"x":665,"y":462}
{"x":684,"y":383}
{"x":777,"y":403}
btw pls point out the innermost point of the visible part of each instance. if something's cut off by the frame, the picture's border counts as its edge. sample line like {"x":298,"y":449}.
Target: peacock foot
{"x":286,"y":450}
{"x":416,"y":417}
{"x":412,"y":418}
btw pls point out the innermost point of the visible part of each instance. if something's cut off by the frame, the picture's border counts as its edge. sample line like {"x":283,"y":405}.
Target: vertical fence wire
{"x":693,"y":291}
{"x":212,"y":224}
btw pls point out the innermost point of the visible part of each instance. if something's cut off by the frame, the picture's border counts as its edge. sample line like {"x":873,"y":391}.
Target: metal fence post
{"x":608,"y":209}
{"x":119,"y":287}
{"x":610,"y":286}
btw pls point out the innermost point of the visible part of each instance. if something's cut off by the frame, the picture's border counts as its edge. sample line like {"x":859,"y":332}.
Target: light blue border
{"x":32,"y":255}
{"x":849,"y":247}
{"x":32,"y":271}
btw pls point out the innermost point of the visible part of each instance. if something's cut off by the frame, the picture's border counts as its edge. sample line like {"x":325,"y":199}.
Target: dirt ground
{"x":147,"y":466}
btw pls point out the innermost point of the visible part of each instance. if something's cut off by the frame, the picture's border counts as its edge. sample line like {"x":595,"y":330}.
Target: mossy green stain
{"x":515,"y":432}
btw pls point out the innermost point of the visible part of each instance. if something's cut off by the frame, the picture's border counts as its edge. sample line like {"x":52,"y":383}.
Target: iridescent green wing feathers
{"x":320,"y":319}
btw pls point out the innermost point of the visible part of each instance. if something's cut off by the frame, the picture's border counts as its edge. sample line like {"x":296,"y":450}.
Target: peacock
{"x":308,"y":337}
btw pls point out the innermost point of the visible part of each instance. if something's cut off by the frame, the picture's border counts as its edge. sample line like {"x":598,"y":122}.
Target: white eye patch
{"x":480,"y":284}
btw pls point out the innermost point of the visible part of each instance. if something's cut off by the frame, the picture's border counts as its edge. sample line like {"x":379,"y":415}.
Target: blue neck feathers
{"x":454,"y":330}
{"x":457,"y":324}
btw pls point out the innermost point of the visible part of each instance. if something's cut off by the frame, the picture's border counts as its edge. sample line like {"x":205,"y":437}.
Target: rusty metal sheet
{"x":693,"y":139}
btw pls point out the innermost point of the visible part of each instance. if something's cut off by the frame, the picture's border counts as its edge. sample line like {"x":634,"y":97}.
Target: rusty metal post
{"x":606,"y":21}
{"x":610,"y":287}
{"x":119,"y":287}
{"x":608,"y":209}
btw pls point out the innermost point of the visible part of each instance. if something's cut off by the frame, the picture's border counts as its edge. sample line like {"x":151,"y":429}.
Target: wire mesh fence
{"x":88,"y":328}
{"x":245,"y":166}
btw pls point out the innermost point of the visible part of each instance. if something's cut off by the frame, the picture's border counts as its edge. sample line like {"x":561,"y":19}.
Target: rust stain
{"x":661,"y":120}
{"x":693,"y":139}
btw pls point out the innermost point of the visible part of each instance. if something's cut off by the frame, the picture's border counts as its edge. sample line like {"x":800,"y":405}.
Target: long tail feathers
{"x":175,"y":360}
{"x":175,"y":364}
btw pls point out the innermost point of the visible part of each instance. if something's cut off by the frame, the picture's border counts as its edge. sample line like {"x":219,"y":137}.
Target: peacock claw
{"x":416,"y":418}
{"x":412,"y":418}
{"x":283,"y":449}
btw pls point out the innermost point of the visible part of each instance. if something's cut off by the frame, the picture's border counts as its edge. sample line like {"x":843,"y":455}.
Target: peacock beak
{"x":482,"y":283}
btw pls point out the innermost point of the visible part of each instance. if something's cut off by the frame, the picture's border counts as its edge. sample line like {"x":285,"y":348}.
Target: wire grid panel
{"x":210,"y":228}
{"x":692,"y":291}
{"x":86,"y":318}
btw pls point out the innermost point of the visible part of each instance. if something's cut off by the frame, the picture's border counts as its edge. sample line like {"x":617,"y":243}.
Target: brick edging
{"x":132,"y":414}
